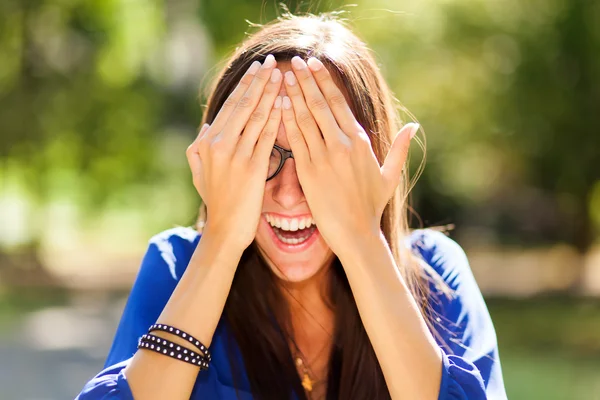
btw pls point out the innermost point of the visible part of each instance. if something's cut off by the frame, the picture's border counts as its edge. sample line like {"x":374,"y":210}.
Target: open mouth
{"x":292,"y":232}
{"x":294,"y":237}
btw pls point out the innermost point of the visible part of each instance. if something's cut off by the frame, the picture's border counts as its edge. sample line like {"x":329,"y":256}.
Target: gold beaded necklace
{"x":308,"y":379}
{"x":307,"y":382}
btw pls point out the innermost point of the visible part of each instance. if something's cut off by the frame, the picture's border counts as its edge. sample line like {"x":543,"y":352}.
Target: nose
{"x":287,"y":191}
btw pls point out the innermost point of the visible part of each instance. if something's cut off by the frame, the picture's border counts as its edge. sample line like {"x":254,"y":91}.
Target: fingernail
{"x":269,"y":61}
{"x":203,"y":129}
{"x":275,"y":75}
{"x":414,"y":129}
{"x":254,"y":68}
{"x":277,"y":102}
{"x":298,"y":63}
{"x":287,"y":103}
{"x":290,"y":79}
{"x":314,"y":64}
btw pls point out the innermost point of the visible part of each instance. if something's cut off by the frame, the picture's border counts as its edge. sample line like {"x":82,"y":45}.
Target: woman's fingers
{"x":260,"y":115}
{"x":316,"y":102}
{"x":391,"y":170}
{"x":233,"y":99}
{"x":193,"y":152}
{"x":294,"y":135}
{"x":194,"y":160}
{"x":248,"y":102}
{"x":265,"y":143}
{"x":334,"y":96}
{"x":303,"y":117}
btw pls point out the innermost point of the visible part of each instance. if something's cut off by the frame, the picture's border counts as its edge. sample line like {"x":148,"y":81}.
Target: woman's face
{"x":294,"y":254}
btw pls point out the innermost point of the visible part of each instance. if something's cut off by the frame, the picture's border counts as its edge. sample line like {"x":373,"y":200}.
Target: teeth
{"x":292,"y":241}
{"x":302,"y":223}
{"x":291,"y":224}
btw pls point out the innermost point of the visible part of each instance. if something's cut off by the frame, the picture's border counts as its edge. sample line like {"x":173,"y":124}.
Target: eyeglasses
{"x":278,"y":157}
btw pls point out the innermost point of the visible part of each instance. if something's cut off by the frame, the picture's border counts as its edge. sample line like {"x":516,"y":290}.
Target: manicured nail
{"x":269,"y":61}
{"x":254,"y":68}
{"x":275,"y":75}
{"x":314,"y":64}
{"x":287,"y":103}
{"x":203,"y":129}
{"x":298,"y":63}
{"x":290,"y":78}
{"x":414,"y":129}
{"x":277,"y":102}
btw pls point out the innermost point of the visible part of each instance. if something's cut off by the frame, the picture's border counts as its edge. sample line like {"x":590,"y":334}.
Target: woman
{"x":305,"y":282}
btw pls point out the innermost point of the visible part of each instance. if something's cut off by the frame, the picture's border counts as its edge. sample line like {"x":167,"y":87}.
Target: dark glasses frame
{"x":285,"y":154}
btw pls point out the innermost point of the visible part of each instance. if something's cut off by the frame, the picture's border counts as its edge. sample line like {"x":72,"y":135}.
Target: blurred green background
{"x":100,"y":98}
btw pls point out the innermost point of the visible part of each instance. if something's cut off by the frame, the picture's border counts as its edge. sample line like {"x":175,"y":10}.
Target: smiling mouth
{"x":291,"y":232}
{"x":294,"y":237}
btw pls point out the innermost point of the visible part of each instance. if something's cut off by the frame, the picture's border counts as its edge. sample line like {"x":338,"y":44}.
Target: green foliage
{"x":549,"y":347}
{"x":98,"y":100}
{"x":506,"y":92}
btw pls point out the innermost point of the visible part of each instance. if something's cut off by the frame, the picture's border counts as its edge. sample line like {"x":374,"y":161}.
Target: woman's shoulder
{"x":442,"y":253}
{"x":463,"y":325}
{"x":174,"y":247}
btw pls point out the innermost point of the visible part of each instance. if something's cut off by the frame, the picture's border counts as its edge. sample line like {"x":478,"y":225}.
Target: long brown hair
{"x":256,"y":313}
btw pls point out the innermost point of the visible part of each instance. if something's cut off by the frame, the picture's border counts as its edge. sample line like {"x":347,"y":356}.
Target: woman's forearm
{"x":407,"y":352}
{"x":195,"y":307}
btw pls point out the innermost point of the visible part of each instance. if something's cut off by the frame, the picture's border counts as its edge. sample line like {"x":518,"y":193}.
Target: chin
{"x":295,"y":272}
{"x":293,"y":263}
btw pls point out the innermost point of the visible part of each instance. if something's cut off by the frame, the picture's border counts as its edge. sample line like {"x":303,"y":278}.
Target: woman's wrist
{"x":360,"y":248}
{"x":221,"y":245}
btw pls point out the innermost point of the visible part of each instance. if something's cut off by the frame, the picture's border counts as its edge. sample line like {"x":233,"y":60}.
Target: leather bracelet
{"x":173,"y":350}
{"x":183,"y":335}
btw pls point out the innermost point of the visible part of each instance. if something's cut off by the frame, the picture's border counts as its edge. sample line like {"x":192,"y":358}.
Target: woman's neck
{"x":309,"y":310}
{"x":312,"y":323}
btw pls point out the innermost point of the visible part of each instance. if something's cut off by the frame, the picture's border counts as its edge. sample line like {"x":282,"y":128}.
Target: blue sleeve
{"x":163,"y":265}
{"x":110,"y":384}
{"x":471,"y":367}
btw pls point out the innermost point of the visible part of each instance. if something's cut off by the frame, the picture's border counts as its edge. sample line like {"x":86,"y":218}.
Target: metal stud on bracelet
{"x":168,"y":348}
{"x":183,"y":335}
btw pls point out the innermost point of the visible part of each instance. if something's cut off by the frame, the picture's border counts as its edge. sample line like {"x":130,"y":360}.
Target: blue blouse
{"x":470,"y":371}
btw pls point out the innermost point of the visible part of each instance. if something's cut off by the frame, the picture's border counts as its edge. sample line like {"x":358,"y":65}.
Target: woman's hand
{"x":344,"y":185}
{"x":229,"y":159}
